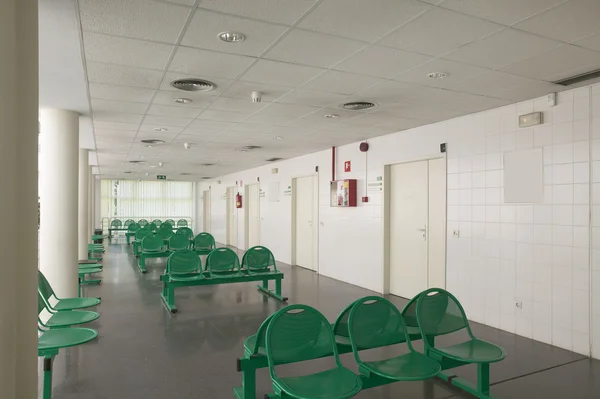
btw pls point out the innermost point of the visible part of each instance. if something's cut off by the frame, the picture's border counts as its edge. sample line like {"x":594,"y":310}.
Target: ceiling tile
{"x":278,"y":11}
{"x":208,"y":63}
{"x":124,"y":51}
{"x":205,"y":27}
{"x":148,"y":127}
{"x":110,"y":116}
{"x":166,"y":121}
{"x":237,"y":105}
{"x":559,"y":63}
{"x":200,"y":100}
{"x":171,"y":110}
{"x":224,"y":116}
{"x":506,"y":12}
{"x":438,"y":32}
{"x":115,"y":125}
{"x":298,"y":47}
{"x":119,"y":134}
{"x":293,"y":111}
{"x":567,"y":22}
{"x":221,"y":84}
{"x":392,"y":91}
{"x":269,"y":120}
{"x":456,"y":72}
{"x":528,"y":91}
{"x":243,"y":90}
{"x":245,"y":127}
{"x":361,"y":20}
{"x":341,"y":82}
{"x":591,"y":42}
{"x":141,"y":19}
{"x":490,"y":83}
{"x":455,"y":100}
{"x":312,"y":98}
{"x":323,"y":122}
{"x":211,"y":125}
{"x":99,"y":105}
{"x":280,"y":73}
{"x":122,"y":93}
{"x":502,"y":48}
{"x":122,"y":75}
{"x":382,"y":62}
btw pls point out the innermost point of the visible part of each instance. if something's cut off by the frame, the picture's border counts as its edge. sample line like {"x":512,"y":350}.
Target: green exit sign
{"x":161,"y":177}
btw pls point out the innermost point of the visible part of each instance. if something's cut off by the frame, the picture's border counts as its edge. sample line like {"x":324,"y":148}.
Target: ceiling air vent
{"x":128,"y":172}
{"x":137,"y":162}
{"x":358,"y":105}
{"x":274,"y":159}
{"x":153,"y":141}
{"x":251,"y":147}
{"x":185,"y":174}
{"x":206,"y":178}
{"x":207,"y":164}
{"x":193,"y":85}
{"x":577,"y":80}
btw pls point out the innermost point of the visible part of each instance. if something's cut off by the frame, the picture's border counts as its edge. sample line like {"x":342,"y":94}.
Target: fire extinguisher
{"x":238,"y":200}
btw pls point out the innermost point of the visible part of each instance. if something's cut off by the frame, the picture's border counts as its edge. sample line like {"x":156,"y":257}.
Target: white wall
{"x":536,"y":254}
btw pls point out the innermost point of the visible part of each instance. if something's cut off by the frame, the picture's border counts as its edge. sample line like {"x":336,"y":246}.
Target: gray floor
{"x":145,"y":352}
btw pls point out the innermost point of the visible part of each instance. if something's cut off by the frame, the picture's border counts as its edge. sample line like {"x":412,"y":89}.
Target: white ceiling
{"x":308,"y":57}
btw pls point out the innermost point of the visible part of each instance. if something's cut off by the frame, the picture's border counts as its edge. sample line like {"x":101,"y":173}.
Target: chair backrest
{"x":151,"y":226}
{"x":375,"y":322}
{"x":340,"y":326}
{"x":440,"y":313}
{"x":157,"y":222}
{"x":222,"y":261}
{"x":142,"y":222}
{"x":142,"y":233}
{"x":166,"y":225}
{"x":204,"y":241}
{"x":41,"y":304}
{"x":128,"y":222}
{"x":165,"y":234}
{"x":133,"y":227}
{"x":182,"y":223}
{"x":297,"y":333}
{"x":44,"y":287}
{"x":177,"y":242}
{"x":258,"y":258}
{"x":170,"y":221}
{"x":261,"y":335}
{"x":184,"y":261}
{"x":409,"y":313}
{"x":186,"y":231}
{"x":152,"y":242}
{"x":116,"y":223}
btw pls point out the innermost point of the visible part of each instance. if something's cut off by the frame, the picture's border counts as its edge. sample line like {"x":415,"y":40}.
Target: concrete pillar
{"x":83,"y":216}
{"x":90,"y":202}
{"x":59,"y":199}
{"x":18,"y":179}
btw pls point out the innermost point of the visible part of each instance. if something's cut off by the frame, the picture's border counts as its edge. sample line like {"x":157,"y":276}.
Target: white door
{"x":253,"y":216}
{"x":417,"y":227}
{"x":206,"y":211}
{"x":304,"y":222}
{"x":231,"y":217}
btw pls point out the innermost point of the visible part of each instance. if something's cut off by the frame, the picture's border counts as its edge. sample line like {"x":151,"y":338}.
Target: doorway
{"x":232,"y":232}
{"x":304,"y":214}
{"x":206,"y":211}
{"x":252,"y":215}
{"x":415,"y":207}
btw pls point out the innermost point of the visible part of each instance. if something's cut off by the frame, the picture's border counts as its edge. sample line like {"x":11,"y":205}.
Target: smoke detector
{"x":192,"y":84}
{"x":358,"y":105}
{"x":256,"y":96}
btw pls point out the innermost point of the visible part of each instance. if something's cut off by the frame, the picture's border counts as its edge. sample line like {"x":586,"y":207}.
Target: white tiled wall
{"x":536,"y":255}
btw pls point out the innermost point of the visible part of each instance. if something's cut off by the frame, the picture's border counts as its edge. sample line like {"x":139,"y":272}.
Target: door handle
{"x":424,"y":231}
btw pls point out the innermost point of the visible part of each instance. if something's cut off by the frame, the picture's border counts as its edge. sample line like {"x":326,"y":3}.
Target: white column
{"x":59,"y":199}
{"x":83,"y":221}
{"x":18,"y":179}
{"x":90,"y":202}
{"x":97,"y":203}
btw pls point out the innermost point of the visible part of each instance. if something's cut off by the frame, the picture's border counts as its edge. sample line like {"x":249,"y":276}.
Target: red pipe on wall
{"x":333,"y":163}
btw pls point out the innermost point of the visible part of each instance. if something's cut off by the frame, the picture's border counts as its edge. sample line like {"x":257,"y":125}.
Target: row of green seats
{"x":133,"y":229}
{"x":299,"y":333}
{"x":56,"y":316}
{"x":166,"y":234}
{"x":162,"y":245}
{"x":184,"y":269}
{"x":117,"y":225}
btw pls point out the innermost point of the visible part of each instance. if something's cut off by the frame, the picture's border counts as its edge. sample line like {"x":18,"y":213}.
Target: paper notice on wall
{"x":273,"y":191}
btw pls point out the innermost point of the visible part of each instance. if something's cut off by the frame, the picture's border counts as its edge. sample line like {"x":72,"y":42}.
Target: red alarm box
{"x":343,"y":193}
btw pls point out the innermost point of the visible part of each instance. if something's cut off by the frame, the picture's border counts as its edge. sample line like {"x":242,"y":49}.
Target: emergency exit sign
{"x":161,"y":177}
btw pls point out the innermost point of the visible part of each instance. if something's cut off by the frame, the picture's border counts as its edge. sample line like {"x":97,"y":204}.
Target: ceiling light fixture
{"x":153,"y":166}
{"x":332,"y":116}
{"x":182,"y":100}
{"x":437,"y":75}
{"x":278,"y":138}
{"x":232,"y":37}
{"x":160,"y":129}
{"x":148,"y":146}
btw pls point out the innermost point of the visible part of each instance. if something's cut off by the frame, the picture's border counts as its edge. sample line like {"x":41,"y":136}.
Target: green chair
{"x":131,"y":230}
{"x":165,"y":234}
{"x":182,"y":223}
{"x":152,"y":246}
{"x":157,"y":222}
{"x":62,"y":319}
{"x":255,"y":344}
{"x":186,"y":231}
{"x":299,"y":333}
{"x":259,"y":259}
{"x":222,"y":262}
{"x":128,"y":222}
{"x":166,"y":225}
{"x":204,"y":243}
{"x":152,"y":227}
{"x":116,"y":223}
{"x":184,"y":265}
{"x":178,"y":241}
{"x":375,"y":322}
{"x":139,"y":236}
{"x":48,"y":295}
{"x":142,"y":222}
{"x":171,"y":222}
{"x":440,"y":313}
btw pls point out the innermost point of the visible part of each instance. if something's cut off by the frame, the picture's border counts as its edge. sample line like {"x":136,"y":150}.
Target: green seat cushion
{"x":63,"y":338}
{"x":335,"y":383}
{"x":71,"y":318}
{"x":89,"y":270}
{"x":76,"y":303}
{"x":250,"y":344}
{"x":408,"y":367}
{"x":186,"y":277}
{"x":474,"y":351}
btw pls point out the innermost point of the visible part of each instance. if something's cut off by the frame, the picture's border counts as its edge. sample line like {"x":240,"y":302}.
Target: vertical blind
{"x":133,"y":198}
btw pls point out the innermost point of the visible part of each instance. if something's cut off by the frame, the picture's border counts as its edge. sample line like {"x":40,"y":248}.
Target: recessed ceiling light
{"x":153,"y":166}
{"x":153,"y":141}
{"x":278,"y":138}
{"x":160,"y":129}
{"x":141,"y":156}
{"x":148,"y":146}
{"x":232,"y":37}
{"x":243,"y":150}
{"x":182,"y":100}
{"x":332,"y":116}
{"x":437,"y":75}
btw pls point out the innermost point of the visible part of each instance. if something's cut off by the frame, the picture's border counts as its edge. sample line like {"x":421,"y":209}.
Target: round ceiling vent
{"x":193,"y":85}
{"x":137,"y":162}
{"x":153,"y":141}
{"x":358,"y":105}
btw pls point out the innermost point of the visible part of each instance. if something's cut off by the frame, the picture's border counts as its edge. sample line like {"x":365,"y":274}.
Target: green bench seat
{"x":55,"y":303}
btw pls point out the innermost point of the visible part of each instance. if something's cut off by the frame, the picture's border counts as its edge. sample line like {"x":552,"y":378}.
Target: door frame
{"x":229,"y":212}
{"x":247,"y":214}
{"x":316,"y":224}
{"x":386,"y":215}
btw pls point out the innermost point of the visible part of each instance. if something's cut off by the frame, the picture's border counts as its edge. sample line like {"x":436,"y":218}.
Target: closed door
{"x":231,"y":217}
{"x":417,"y":227}
{"x":304,"y":222}
{"x":206,"y":211}
{"x":253,"y":216}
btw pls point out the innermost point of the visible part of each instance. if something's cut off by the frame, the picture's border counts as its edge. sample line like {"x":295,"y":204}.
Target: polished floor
{"x":144,"y":352}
